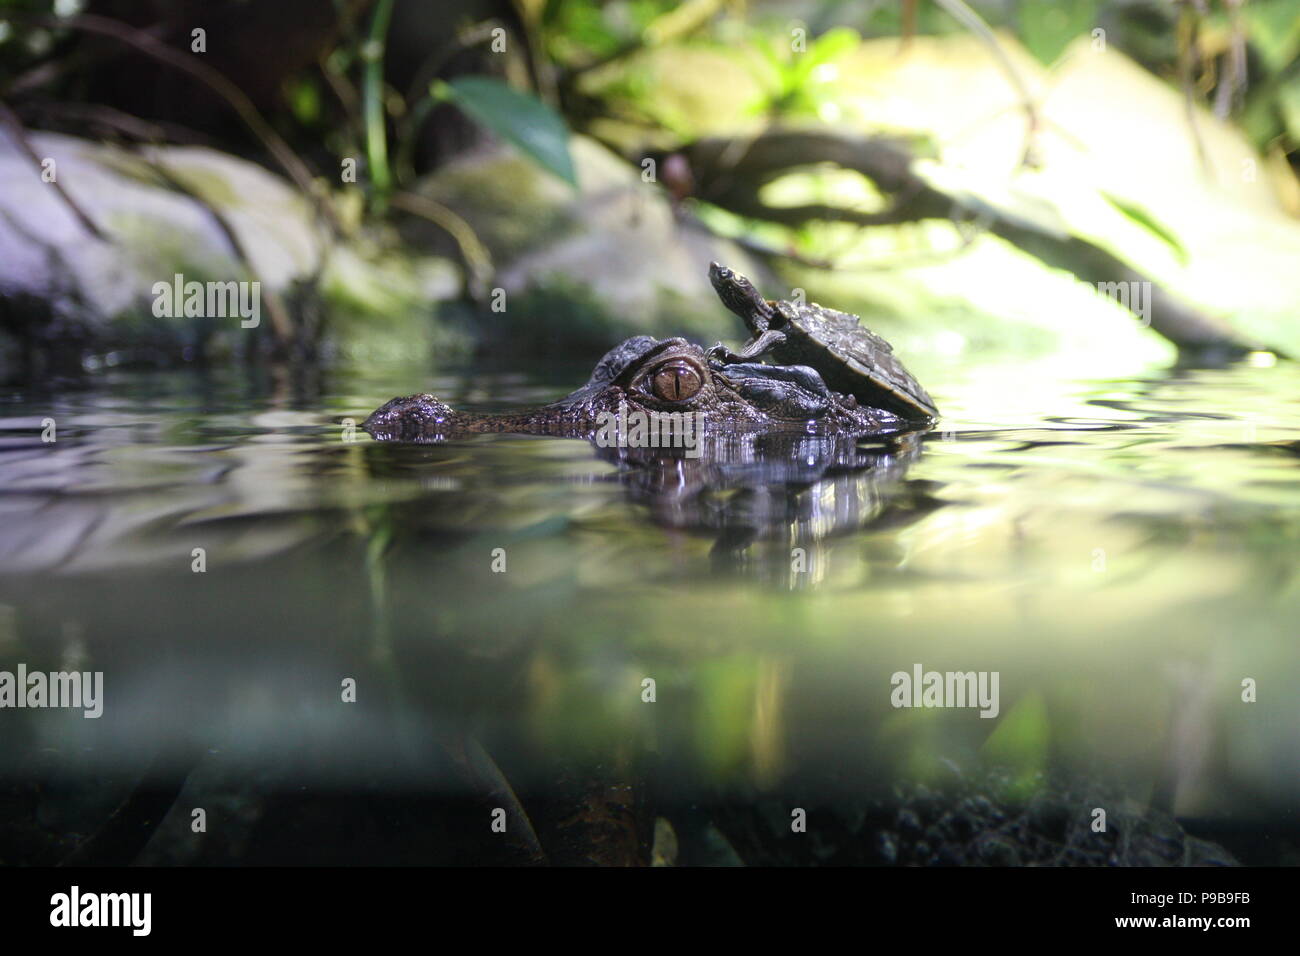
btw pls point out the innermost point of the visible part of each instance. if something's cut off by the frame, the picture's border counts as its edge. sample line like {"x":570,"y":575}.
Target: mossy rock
{"x":578,"y":271}
{"x":67,"y":294}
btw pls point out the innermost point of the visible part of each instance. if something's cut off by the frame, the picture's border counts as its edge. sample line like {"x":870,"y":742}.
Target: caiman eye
{"x":675,"y":381}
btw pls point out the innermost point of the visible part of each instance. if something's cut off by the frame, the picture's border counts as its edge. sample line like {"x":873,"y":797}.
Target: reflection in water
{"x":792,"y":491}
{"x":1123,"y":553}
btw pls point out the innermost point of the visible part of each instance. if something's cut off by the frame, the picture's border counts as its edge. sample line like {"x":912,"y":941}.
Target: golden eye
{"x":675,"y":381}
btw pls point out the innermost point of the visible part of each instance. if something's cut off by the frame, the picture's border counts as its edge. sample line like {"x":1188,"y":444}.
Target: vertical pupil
{"x":675,"y":383}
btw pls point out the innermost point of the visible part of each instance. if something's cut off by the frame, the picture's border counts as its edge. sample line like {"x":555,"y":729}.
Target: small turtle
{"x":850,"y":358}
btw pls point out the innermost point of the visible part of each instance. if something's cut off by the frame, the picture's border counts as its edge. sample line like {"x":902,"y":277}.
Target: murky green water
{"x":1122,"y":553}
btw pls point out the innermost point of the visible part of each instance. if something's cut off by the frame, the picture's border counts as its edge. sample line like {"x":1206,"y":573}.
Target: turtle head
{"x":739,"y":295}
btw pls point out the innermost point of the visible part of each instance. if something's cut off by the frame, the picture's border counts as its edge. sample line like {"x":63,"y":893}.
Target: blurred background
{"x":382,"y":167}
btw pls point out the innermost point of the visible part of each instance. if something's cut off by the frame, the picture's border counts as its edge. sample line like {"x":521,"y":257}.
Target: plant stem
{"x":373,"y":98}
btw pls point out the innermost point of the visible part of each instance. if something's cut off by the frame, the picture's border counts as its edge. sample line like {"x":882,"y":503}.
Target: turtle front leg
{"x":755,"y":347}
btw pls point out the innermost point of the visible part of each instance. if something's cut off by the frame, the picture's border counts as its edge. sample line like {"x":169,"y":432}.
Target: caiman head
{"x":664,"y":376}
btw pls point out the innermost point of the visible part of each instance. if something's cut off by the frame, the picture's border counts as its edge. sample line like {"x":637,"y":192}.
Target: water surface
{"x":1123,"y":553}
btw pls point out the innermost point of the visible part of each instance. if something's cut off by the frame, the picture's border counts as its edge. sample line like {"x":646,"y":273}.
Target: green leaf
{"x":834,"y":44}
{"x":1151,"y":225}
{"x":1288,"y":105}
{"x":1046,"y":27}
{"x":372,"y":97}
{"x":1021,"y":742}
{"x":520,"y":119}
{"x":828,"y":47}
{"x":1274,"y":31}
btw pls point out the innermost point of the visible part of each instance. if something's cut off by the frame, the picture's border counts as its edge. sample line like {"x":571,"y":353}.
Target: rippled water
{"x":1123,"y":553}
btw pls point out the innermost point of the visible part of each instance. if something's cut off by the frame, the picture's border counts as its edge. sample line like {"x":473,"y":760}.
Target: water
{"x":1122,"y":553}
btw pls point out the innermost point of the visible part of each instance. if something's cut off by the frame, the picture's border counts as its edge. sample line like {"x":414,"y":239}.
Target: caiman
{"x":663,"y":376}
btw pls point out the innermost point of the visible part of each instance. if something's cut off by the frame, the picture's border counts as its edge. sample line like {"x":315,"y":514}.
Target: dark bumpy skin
{"x":850,"y":357}
{"x":667,"y":375}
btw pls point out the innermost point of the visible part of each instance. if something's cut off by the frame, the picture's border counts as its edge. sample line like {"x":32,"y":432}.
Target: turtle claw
{"x":719,"y":354}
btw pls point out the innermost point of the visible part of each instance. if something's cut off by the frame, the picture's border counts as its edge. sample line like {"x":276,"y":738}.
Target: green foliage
{"x":1274,"y":30}
{"x":373,"y":98}
{"x":578,"y":30}
{"x":304,"y":101}
{"x":1150,"y":224}
{"x":805,"y":79}
{"x":1047,"y":27}
{"x":522,"y":120}
{"x":929,"y":19}
{"x":1288,"y":104}
{"x":1021,"y":741}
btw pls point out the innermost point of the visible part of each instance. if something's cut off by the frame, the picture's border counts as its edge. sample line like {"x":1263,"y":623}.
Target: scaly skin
{"x":734,"y":398}
{"x":849,"y":356}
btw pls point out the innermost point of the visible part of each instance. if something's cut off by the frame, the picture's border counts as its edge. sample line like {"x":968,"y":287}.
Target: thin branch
{"x":75,"y":63}
{"x":127,"y":124}
{"x":419,"y":103}
{"x":476,"y":256}
{"x":972,"y":21}
{"x":10,"y":119}
{"x":346,"y":94}
{"x":281,"y":324}
{"x":888,"y":165}
{"x":1187,"y":30}
{"x":1232,"y":86}
{"x":151,"y":46}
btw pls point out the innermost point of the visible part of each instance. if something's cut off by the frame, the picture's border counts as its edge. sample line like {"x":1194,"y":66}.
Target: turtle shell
{"x":850,"y":358}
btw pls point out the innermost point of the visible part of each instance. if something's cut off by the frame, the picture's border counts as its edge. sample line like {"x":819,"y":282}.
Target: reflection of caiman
{"x":777,"y":456}
{"x":660,"y":377}
{"x":781,"y":489}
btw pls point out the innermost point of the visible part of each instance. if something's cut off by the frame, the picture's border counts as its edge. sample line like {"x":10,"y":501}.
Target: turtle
{"x":849,"y":357}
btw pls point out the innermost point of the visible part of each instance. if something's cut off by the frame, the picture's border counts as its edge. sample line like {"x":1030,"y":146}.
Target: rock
{"x":164,"y":211}
{"x":584,"y":270}
{"x":989,"y":818}
{"x":58,"y":279}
